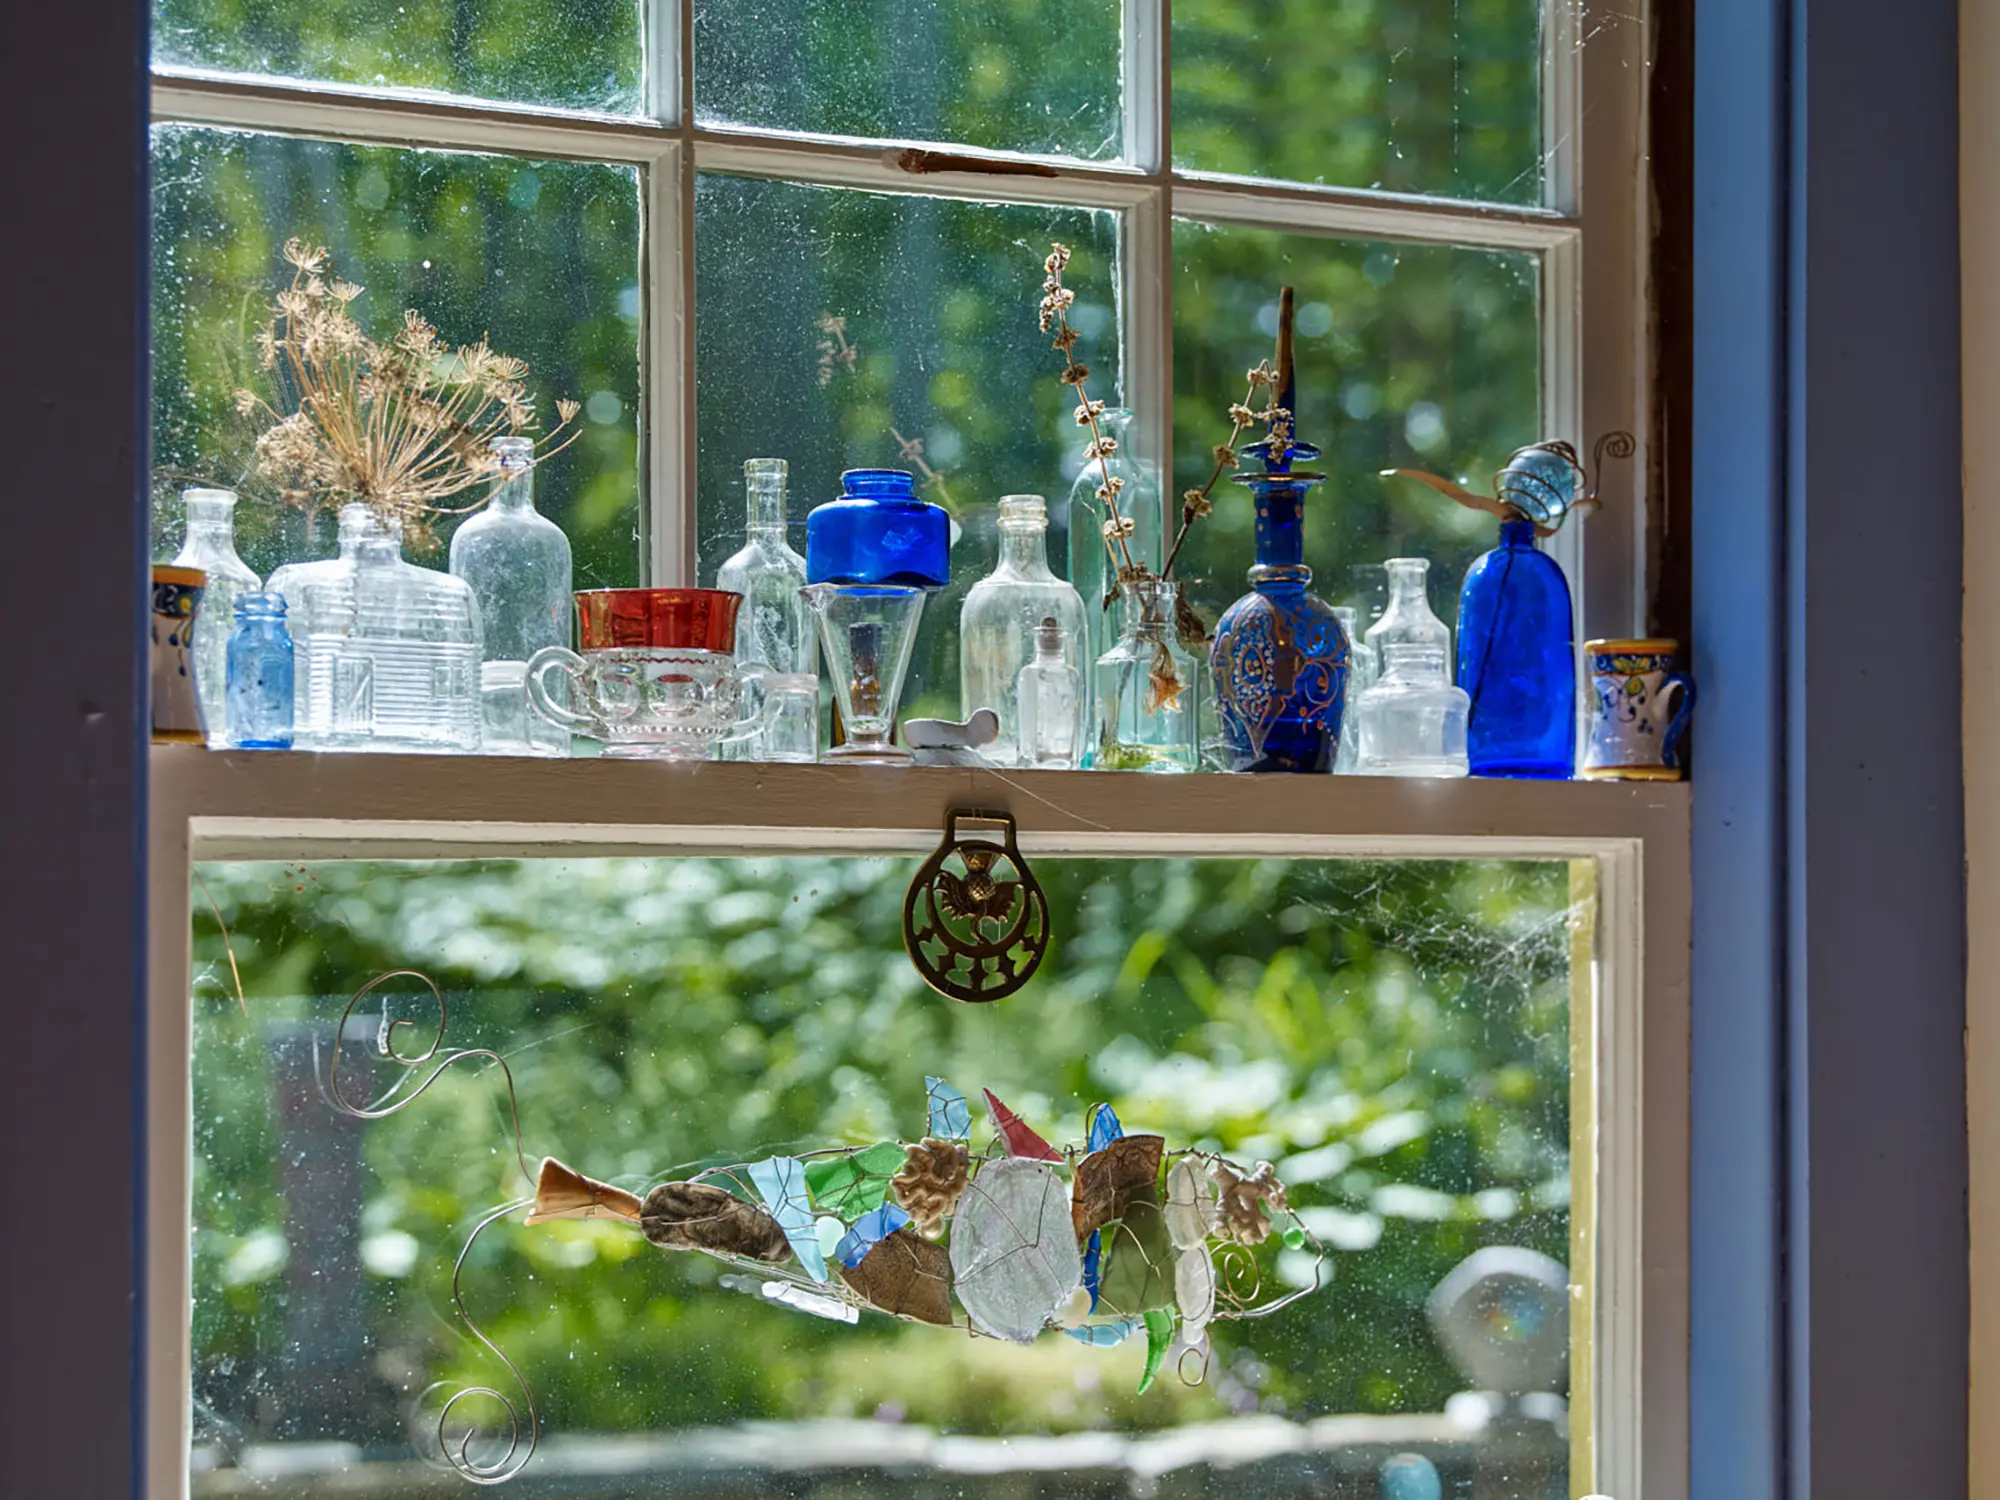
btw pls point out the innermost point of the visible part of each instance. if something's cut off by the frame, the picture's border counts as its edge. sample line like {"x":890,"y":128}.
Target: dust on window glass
{"x":1439,"y":97}
{"x":1393,"y":1037}
{"x":540,"y":256}
{"x":1041,"y":76}
{"x":839,"y":329}
{"x":1408,"y":356}
{"x":574,"y":54}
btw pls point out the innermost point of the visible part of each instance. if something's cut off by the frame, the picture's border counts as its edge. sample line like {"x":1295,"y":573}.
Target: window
{"x":668,"y":211}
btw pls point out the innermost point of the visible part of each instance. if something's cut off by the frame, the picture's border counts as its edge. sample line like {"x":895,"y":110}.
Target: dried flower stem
{"x":1055,"y":305}
{"x":911,"y":451}
{"x":1196,"y":503}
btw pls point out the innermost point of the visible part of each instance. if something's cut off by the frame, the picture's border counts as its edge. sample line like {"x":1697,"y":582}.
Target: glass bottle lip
{"x":1024,"y":513}
{"x":208,"y":506}
{"x":879,"y":484}
{"x":1407,"y":566}
{"x":769,"y":468}
{"x":263,"y":604}
{"x":514,"y":452}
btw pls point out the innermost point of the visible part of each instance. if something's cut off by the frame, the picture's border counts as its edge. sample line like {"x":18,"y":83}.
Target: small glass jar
{"x":1048,"y":697}
{"x":791,"y":717}
{"x":260,"y":676}
{"x":1413,"y":720}
{"x":1147,"y":689}
{"x":507,"y":726}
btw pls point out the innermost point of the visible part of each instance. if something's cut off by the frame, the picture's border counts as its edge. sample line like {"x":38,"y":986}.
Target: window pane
{"x":832,"y":326}
{"x":1441,"y":97}
{"x":1392,"y":1036}
{"x":542,"y":256}
{"x":1013,"y":75}
{"x":1408,"y":356}
{"x":575,"y":54}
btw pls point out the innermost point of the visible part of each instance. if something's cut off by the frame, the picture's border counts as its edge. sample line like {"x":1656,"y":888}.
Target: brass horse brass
{"x":975,"y":921}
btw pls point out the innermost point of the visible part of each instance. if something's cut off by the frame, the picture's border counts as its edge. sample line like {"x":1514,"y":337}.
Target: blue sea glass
{"x":1517,"y":660}
{"x":879,"y":532}
{"x":1280,"y":654}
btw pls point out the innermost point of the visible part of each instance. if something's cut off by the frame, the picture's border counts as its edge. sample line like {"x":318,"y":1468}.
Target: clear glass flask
{"x":210,"y":544}
{"x":356,"y":522}
{"x":1146,"y":688}
{"x":774,"y":628}
{"x":1048,"y":696}
{"x":517,"y":563}
{"x":999,"y":624}
{"x":260,"y":674}
{"x":1413,"y":720}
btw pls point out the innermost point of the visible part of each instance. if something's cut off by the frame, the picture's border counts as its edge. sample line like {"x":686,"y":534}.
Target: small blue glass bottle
{"x":1517,"y":660}
{"x":260,"y":675}
{"x":879,"y":532}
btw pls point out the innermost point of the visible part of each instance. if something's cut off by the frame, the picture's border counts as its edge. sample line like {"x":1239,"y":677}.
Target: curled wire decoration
{"x":1201,"y":1353}
{"x":520,"y":1446}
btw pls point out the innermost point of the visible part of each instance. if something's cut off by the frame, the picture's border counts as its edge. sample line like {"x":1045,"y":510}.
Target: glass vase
{"x":1091,"y":572}
{"x":774,"y":629}
{"x":1002,"y":616}
{"x":260,"y":674}
{"x":1146,"y":688}
{"x":1413,"y":721}
{"x":516,"y":561}
{"x":1517,"y":660}
{"x":392,"y":655}
{"x":210,"y":544}
{"x":867,"y":631}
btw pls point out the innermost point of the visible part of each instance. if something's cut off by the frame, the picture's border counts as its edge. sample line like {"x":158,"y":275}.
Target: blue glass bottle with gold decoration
{"x":1280,"y":654}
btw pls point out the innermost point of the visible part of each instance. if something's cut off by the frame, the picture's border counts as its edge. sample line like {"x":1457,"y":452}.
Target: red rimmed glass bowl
{"x":669,"y":619}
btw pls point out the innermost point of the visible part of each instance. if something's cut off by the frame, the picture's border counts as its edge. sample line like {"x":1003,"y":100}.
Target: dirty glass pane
{"x":1439,"y":97}
{"x":1408,"y":356}
{"x":574,"y":54}
{"x":1392,"y":1037}
{"x":840,"y":329}
{"x":541,"y":256}
{"x":1040,"y":76}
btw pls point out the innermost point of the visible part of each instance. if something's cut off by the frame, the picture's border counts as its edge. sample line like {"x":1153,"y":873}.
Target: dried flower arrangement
{"x":404,"y":426}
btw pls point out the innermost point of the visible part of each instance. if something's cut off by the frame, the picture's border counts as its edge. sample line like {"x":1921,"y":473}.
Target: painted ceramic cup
{"x":176,"y":601}
{"x":1641,"y":708}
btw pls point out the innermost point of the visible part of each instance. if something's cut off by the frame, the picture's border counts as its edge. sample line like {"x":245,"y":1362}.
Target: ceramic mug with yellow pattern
{"x":1640,"y":708}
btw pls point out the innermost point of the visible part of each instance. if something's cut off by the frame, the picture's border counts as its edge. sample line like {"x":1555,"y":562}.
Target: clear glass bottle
{"x":998,"y":626}
{"x":392,"y":654}
{"x":1362,"y":672}
{"x":260,"y":675}
{"x":356,"y":521}
{"x":517,"y":563}
{"x":774,"y":628}
{"x":791,"y":731}
{"x":1413,"y":720}
{"x":506,"y":724}
{"x":1146,"y":688}
{"x":1049,"y":699}
{"x":1408,"y":620}
{"x":210,"y":544}
{"x":1091,"y":573}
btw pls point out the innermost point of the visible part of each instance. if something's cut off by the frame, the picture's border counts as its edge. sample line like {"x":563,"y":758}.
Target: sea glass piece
{"x":801,"y":1300}
{"x":1139,"y":1262}
{"x":1093,"y":1266}
{"x":851,"y":1185}
{"x":1295,"y":1238}
{"x":1075,"y":1311}
{"x":1106,"y":1335}
{"x":831,"y":1232}
{"x":869,"y":1230}
{"x":1194,"y":1291}
{"x":699,"y":1216}
{"x":951,"y":1117}
{"x":1104,"y":1126}
{"x":1014,"y":1260}
{"x":781,"y":1182}
{"x":906,"y":1275}
{"x":1159,"y":1334}
{"x":1190,"y":1204}
{"x":1107,"y":1179}
{"x":1020,"y":1139}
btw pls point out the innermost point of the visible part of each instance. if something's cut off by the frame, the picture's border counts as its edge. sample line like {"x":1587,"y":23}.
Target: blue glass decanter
{"x":1516,"y":628}
{"x":1280,"y":654}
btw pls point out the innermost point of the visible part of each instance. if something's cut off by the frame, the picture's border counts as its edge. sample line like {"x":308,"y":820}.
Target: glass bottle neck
{"x":1517,"y":533}
{"x":1280,"y":534}
{"x":1025,"y":549}
{"x":764,"y":510}
{"x":515,"y":492}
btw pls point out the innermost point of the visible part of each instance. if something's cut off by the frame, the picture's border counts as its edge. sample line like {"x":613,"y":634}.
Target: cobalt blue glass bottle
{"x":260,"y":675}
{"x":1517,"y":660}
{"x":1280,"y":654}
{"x":878,"y":531}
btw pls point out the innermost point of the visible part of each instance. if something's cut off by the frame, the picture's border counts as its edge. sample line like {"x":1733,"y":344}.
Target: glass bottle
{"x":1517,"y":660}
{"x":356,"y":521}
{"x":1091,"y":572}
{"x":1362,"y":674}
{"x":260,"y":677}
{"x":879,"y":532}
{"x":210,"y":544}
{"x":1408,"y":620}
{"x":516,"y":561}
{"x":1412,"y":721}
{"x":507,"y":726}
{"x":774,"y":628}
{"x":1146,"y":688}
{"x":1049,"y":699}
{"x":391,"y":655}
{"x":1002,"y":615}
{"x":791,"y":732}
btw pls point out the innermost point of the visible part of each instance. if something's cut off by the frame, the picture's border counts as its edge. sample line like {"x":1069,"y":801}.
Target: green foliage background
{"x":1394,"y":1037}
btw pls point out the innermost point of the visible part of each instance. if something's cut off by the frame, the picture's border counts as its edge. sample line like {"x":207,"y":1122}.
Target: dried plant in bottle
{"x":404,"y":425}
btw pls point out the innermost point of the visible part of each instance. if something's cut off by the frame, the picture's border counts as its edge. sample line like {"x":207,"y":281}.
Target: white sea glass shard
{"x":1190,"y":1208}
{"x":1194,"y":1291}
{"x":1014,"y":1260}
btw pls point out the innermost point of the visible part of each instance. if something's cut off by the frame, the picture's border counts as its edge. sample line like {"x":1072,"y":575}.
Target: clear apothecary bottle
{"x":1413,"y":721}
{"x":210,"y":544}
{"x":774,"y":627}
{"x":1049,"y":696}
{"x":1001,"y":618}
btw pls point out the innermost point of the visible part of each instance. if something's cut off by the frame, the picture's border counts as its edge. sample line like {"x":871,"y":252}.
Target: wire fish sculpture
{"x":1116,"y":1239}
